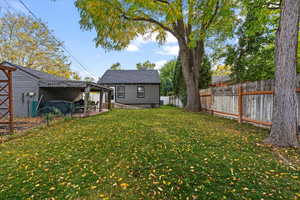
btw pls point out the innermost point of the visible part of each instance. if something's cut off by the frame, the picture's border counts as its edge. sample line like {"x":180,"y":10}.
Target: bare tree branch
{"x":162,"y":1}
{"x":153,"y":21}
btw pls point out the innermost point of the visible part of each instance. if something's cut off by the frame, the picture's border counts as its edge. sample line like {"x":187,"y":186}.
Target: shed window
{"x":140,"y":92}
{"x":121,"y":91}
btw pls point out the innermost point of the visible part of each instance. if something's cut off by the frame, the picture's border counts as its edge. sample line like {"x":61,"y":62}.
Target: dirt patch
{"x":21,"y":124}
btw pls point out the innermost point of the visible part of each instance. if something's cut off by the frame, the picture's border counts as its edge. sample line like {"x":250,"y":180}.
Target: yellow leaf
{"x":124,"y":185}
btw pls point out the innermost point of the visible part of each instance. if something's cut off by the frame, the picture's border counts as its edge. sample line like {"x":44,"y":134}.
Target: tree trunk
{"x":190,"y":59}
{"x":284,"y":121}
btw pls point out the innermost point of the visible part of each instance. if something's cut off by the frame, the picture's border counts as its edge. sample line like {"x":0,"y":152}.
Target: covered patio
{"x":72,"y":91}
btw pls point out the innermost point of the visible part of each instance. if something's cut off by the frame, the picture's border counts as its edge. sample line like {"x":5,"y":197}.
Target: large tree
{"x":28,"y":42}
{"x":284,"y":123}
{"x":191,"y":22}
{"x":179,"y":85}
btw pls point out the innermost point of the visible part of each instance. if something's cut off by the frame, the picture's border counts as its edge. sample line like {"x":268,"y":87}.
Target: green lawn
{"x":162,"y":153}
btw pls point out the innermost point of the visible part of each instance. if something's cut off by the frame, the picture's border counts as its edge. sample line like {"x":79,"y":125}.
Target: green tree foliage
{"x":145,"y":65}
{"x":205,"y":73}
{"x":76,"y":76}
{"x":252,"y":58}
{"x":167,"y":77}
{"x":89,"y":79}
{"x":179,"y":83}
{"x":191,"y":22}
{"x":27,"y":42}
{"x":115,"y":66}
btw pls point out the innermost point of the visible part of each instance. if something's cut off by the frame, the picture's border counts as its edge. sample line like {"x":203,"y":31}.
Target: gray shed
{"x":31,"y":86}
{"x":133,"y":87}
{"x":220,"y":80}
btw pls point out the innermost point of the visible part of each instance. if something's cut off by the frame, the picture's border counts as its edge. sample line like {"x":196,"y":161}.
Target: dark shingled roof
{"x":52,"y":81}
{"x":37,"y":74}
{"x":130,"y":76}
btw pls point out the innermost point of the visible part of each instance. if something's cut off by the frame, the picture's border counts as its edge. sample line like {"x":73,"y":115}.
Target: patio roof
{"x":47,"y":80}
{"x":72,"y":84}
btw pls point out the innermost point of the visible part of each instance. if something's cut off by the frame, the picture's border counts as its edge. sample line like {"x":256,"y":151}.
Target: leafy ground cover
{"x":163,"y":153}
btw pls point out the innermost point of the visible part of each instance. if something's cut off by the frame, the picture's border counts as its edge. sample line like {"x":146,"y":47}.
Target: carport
{"x":70,"y":90}
{"x":31,"y":88}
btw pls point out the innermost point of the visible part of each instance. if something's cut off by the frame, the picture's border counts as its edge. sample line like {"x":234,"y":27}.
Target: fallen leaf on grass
{"x":124,"y":186}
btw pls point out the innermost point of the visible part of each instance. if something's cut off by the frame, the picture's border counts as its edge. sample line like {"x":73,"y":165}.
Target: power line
{"x":3,"y":13}
{"x":62,"y":46}
{"x":9,"y":6}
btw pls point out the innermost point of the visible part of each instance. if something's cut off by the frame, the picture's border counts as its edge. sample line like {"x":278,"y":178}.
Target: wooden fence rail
{"x":248,"y":102}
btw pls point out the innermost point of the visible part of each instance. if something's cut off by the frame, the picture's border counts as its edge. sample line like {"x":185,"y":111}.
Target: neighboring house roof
{"x":37,"y":74}
{"x":130,"y":77}
{"x":52,"y":81}
{"x":220,"y":79}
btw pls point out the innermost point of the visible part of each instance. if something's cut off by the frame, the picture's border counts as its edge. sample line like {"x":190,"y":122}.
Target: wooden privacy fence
{"x":175,"y":101}
{"x":248,"y":102}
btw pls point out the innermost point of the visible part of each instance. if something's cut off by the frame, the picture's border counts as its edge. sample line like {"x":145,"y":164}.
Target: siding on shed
{"x":23,"y":83}
{"x":152,"y":95}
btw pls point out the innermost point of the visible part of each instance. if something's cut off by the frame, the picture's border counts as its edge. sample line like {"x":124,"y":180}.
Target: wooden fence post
{"x":240,"y":103}
{"x":10,"y":104}
{"x":212,"y":101}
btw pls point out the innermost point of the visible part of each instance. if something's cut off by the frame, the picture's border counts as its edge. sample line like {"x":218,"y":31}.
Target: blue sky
{"x":63,"y":18}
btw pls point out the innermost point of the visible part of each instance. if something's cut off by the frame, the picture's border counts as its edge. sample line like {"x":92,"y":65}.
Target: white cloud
{"x":171,"y":38}
{"x":151,"y":38}
{"x":143,"y":40}
{"x":132,"y":47}
{"x":160,"y":64}
{"x":169,"y":50}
